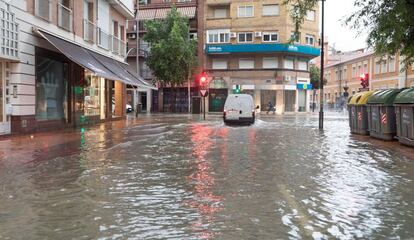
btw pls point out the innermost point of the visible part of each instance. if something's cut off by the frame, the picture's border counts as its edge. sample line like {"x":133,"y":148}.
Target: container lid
{"x":384,"y":97}
{"x":360,"y":98}
{"x":405,"y":97}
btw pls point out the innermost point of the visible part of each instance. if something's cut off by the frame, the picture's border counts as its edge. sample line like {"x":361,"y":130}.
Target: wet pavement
{"x":178,"y":177}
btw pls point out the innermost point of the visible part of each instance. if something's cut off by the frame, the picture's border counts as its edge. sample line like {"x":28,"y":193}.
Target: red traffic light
{"x":364,"y":80}
{"x":202,"y":78}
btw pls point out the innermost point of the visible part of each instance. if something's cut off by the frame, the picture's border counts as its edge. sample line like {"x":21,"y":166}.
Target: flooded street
{"x":178,"y":177}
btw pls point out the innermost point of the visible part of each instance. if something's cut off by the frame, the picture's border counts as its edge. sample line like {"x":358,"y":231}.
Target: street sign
{"x":204,"y":93}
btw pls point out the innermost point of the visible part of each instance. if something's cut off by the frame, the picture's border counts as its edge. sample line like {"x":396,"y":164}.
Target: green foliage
{"x":172,"y":53}
{"x":315,"y":74}
{"x":389,"y":23}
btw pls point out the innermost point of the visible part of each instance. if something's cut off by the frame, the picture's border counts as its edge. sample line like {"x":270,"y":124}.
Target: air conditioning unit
{"x":287,"y":78}
{"x":131,"y":35}
{"x":233,"y":35}
{"x":258,"y":34}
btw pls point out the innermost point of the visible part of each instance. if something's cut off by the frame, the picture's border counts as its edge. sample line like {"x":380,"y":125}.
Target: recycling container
{"x":358,"y":116}
{"x":404,"y":109}
{"x":381,"y":114}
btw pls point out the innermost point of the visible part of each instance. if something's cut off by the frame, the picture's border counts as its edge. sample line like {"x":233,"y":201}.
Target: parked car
{"x":239,"y":109}
{"x":128,"y":108}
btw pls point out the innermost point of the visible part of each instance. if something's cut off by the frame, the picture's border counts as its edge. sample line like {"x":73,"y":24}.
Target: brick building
{"x":247,"y":46}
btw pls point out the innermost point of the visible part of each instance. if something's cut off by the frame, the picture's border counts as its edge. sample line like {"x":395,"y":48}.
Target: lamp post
{"x":322,"y":68}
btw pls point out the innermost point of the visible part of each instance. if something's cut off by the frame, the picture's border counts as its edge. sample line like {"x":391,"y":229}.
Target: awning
{"x":187,"y":11}
{"x":118,"y":69}
{"x":79,"y":55}
{"x":146,"y":14}
{"x":139,"y":78}
{"x":162,"y":12}
{"x":97,"y":63}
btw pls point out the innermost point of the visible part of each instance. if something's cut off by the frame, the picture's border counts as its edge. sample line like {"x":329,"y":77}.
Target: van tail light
{"x":253,"y":113}
{"x":224,"y":113}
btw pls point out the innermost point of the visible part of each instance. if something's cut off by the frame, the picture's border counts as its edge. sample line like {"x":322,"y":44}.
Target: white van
{"x":239,"y":108}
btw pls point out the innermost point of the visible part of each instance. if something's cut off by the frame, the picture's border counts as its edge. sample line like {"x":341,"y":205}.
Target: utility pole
{"x":322,"y":68}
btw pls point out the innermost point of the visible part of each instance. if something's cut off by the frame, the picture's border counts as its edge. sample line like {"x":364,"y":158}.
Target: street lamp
{"x":322,"y":68}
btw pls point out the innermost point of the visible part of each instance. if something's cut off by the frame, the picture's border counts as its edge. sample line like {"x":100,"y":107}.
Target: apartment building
{"x":383,"y":72}
{"x":159,"y":101}
{"x":248,"y":48}
{"x":63,"y":63}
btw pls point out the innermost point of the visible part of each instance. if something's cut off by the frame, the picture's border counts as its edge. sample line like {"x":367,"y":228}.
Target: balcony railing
{"x":64,"y":17}
{"x":118,"y":46}
{"x":89,"y":31}
{"x":43,"y":9}
{"x":104,"y":39}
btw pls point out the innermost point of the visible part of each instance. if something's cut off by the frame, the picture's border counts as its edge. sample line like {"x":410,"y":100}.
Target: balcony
{"x":64,"y":17}
{"x":43,"y":9}
{"x":118,"y":46}
{"x":103,"y":39}
{"x":89,"y":31}
{"x":9,"y":36}
{"x":262,"y":48}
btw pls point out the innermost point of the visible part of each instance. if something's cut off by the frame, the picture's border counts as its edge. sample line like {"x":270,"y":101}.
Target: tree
{"x":172,"y":54}
{"x":315,"y":77}
{"x":389,"y":23}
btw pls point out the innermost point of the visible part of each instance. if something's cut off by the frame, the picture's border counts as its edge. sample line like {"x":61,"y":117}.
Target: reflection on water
{"x":183,"y":178}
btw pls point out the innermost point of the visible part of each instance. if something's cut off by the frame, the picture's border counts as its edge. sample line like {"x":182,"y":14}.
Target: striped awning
{"x":160,"y":13}
{"x":187,"y":11}
{"x":146,"y":14}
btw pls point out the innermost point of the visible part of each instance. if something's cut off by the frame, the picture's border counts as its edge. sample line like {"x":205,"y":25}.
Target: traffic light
{"x":364,"y":80}
{"x":203,"y":78}
{"x":238,"y":89}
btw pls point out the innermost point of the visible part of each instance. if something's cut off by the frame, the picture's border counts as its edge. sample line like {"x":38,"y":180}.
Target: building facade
{"x":159,"y":101}
{"x":383,"y":72}
{"x":251,"y":46}
{"x":63,"y":63}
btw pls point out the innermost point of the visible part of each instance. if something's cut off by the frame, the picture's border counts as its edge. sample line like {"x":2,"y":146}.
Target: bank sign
{"x":302,"y":86}
{"x":261,"y":48}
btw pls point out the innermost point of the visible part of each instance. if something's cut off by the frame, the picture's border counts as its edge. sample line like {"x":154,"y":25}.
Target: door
{"x":4,"y":100}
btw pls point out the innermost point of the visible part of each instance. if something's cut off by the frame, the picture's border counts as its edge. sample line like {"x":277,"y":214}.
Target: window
{"x":93,"y":91}
{"x":218,"y":36}
{"x":365,"y":67}
{"x":383,"y":66}
{"x":246,"y":63}
{"x":310,"y":15}
{"x":270,"y":37}
{"x":303,"y":65}
{"x":391,"y":64}
{"x":295,"y":37}
{"x":42,"y":9}
{"x":377,"y":66}
{"x":270,"y":63}
{"x":220,"y":13}
{"x":310,"y":40}
{"x":359,"y":70}
{"x":271,"y":10}
{"x":354,"y":73}
{"x":51,"y":89}
{"x":288,"y":63}
{"x":219,"y":64}
{"x":245,"y":11}
{"x":245,"y":37}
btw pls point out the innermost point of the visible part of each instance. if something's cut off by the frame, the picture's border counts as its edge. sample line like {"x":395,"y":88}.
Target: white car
{"x":239,"y":108}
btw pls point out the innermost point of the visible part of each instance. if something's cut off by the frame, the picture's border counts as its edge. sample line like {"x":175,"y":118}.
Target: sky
{"x":339,"y":35}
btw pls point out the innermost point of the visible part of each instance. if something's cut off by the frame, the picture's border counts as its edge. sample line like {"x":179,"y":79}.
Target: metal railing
{"x":64,"y":17}
{"x":89,"y":31}
{"x":43,"y":9}
{"x":103,"y":39}
{"x":118,"y":46}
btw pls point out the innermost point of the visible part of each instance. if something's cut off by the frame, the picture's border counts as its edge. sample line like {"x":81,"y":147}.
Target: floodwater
{"x":178,"y":177}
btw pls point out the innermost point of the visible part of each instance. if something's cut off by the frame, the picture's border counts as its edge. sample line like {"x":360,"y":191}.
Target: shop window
{"x":92,"y":95}
{"x":51,"y":89}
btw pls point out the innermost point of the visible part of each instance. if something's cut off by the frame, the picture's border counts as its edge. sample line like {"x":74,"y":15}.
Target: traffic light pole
{"x":321,"y":114}
{"x":204,"y":107}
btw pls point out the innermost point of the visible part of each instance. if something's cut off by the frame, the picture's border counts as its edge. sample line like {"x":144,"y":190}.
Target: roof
{"x":350,"y":58}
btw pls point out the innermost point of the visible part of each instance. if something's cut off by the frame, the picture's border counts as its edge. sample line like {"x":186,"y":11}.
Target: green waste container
{"x":358,"y":117}
{"x":404,"y":109}
{"x":381,"y":114}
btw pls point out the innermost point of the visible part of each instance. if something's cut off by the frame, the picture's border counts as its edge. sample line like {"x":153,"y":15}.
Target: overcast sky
{"x":337,"y":33}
